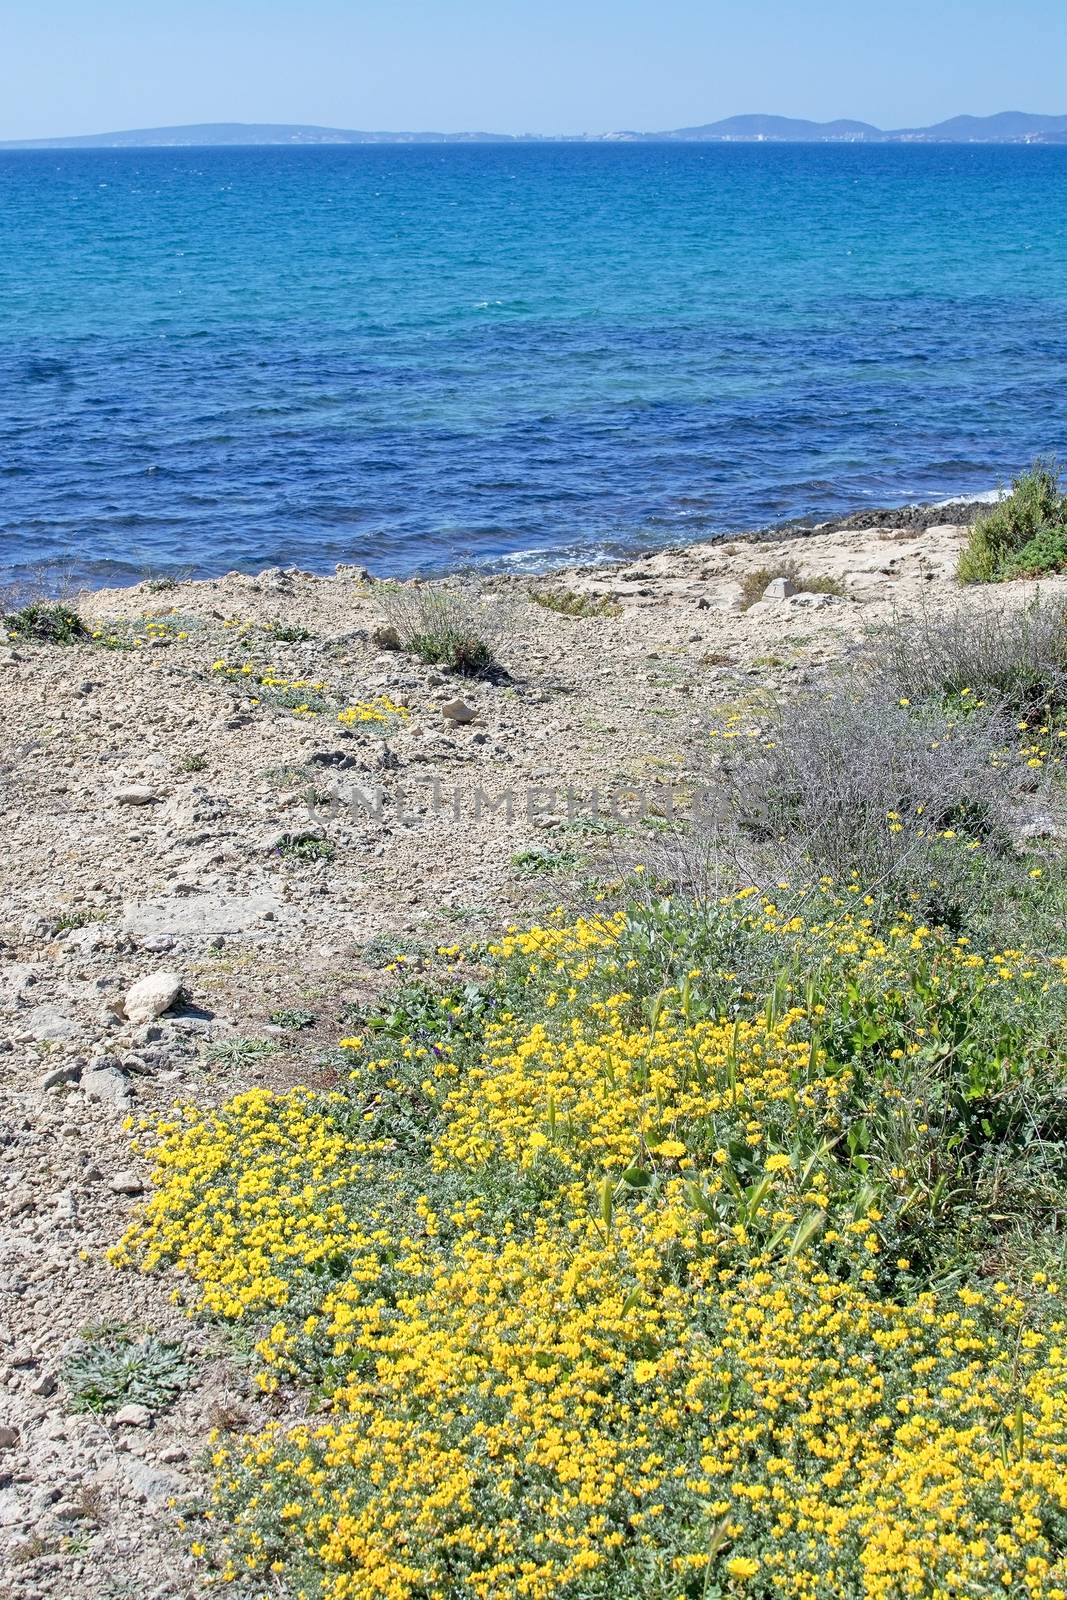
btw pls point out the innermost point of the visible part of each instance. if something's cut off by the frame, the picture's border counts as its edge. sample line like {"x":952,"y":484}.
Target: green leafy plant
{"x":196,"y":762}
{"x":107,"y":1369}
{"x":80,"y":917}
{"x":307,"y":849}
{"x":1024,"y":534}
{"x":293,"y":1020}
{"x":46,"y":624}
{"x":239,"y":1052}
{"x":530,"y":863}
{"x":287,"y":632}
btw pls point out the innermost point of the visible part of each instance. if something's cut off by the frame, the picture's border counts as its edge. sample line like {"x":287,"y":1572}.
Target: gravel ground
{"x":159,"y":816}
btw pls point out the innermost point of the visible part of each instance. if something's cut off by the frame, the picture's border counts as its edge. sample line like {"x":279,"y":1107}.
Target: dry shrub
{"x":915,"y":803}
{"x":443,"y":625}
{"x":754,"y":584}
{"x":1015,"y":656}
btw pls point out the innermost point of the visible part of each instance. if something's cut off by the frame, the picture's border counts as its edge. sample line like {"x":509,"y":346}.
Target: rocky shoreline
{"x":174,"y":822}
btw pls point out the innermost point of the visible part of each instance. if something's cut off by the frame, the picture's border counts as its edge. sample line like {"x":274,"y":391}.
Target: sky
{"x":516,"y":66}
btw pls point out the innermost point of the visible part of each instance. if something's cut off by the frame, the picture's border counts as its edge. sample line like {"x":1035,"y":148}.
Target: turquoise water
{"x":421,"y":357}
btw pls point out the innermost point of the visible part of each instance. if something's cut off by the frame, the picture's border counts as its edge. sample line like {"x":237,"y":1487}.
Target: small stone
{"x":44,"y":1386}
{"x":136,"y":794}
{"x":458,"y":711}
{"x":151,"y":996}
{"x":48,"y":1023}
{"x":22,"y":1356}
{"x":69,"y":1072}
{"x":780,"y":589}
{"x":9,"y":1438}
{"x":132,"y":1416}
{"x":109,"y":1085}
{"x":126,"y":1183}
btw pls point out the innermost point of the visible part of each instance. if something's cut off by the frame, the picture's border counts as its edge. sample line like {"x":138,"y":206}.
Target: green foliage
{"x":535,"y":861}
{"x":46,"y":624}
{"x":239,"y":1052}
{"x":1031,"y":519}
{"x":108,"y":1369}
{"x":293,"y":1020}
{"x":80,"y":917}
{"x":197,"y":762}
{"x":287,"y":632}
{"x":569,"y":603}
{"x":307,"y":849}
{"x":1045,"y":552}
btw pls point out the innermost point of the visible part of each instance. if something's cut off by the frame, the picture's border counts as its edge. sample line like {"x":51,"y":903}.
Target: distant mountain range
{"x":1005,"y":127}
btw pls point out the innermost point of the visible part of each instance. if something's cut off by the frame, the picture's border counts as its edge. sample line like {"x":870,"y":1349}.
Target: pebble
{"x":136,"y":794}
{"x":69,"y":1072}
{"x":126,"y":1183}
{"x":107,"y":1084}
{"x":458,"y":711}
{"x":132,"y":1416}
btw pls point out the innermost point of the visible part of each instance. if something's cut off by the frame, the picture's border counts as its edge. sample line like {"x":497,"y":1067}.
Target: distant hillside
{"x":765,"y":127}
{"x":1008,"y":127}
{"x":200,"y":134}
{"x":1005,"y":127}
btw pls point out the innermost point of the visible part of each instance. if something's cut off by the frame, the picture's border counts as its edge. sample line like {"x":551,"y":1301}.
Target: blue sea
{"x":419,"y":358}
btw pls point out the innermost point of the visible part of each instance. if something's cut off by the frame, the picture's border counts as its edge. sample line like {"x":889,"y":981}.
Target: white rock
{"x":136,"y":794}
{"x":458,"y":711}
{"x":132,"y":1416}
{"x":780,"y":589}
{"x":151,"y":996}
{"x":126,"y":1183}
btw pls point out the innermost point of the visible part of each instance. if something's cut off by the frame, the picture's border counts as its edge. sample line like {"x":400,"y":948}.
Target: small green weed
{"x":534,"y":861}
{"x":80,"y":917}
{"x":107,"y":1369}
{"x":193,"y":763}
{"x":46,"y":624}
{"x":443,"y":627}
{"x":294,"y":1020}
{"x":569,"y":603}
{"x":307,"y":849}
{"x":287,"y":632}
{"x":238,"y":1052}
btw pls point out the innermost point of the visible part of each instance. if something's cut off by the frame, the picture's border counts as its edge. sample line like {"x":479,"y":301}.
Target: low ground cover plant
{"x":570,"y":603}
{"x":692,"y":1251}
{"x":46,"y":624}
{"x":1024,"y":535}
{"x":109,"y":1367}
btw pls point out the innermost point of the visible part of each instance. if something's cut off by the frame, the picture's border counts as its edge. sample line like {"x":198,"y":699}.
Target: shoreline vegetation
{"x":614,"y":1199}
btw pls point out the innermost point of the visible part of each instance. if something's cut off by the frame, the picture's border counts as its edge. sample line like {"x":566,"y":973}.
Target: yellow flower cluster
{"x":244,"y":1197}
{"x":381,"y":709}
{"x":620,"y":1330}
{"x":305,"y":698}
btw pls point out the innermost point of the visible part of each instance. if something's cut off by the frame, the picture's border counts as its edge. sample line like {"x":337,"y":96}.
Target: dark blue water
{"x":421,"y":357}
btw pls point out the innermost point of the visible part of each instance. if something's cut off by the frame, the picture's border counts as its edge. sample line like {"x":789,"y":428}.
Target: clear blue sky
{"x":551,"y":66}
